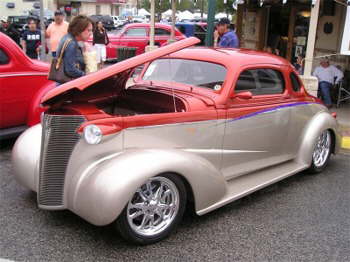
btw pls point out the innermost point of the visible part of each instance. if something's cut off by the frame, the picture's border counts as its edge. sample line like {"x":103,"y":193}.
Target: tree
{"x":226,"y":8}
{"x":145,"y":4}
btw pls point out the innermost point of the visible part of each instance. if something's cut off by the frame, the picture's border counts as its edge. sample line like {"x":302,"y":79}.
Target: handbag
{"x":57,"y":68}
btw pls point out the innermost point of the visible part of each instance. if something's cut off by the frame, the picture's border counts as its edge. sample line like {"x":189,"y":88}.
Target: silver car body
{"x":221,"y":159}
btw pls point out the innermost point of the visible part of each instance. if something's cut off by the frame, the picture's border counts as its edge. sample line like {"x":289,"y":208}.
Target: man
{"x":228,"y":38}
{"x":9,"y":29}
{"x":56,"y":30}
{"x":31,"y":40}
{"x":327,"y":76}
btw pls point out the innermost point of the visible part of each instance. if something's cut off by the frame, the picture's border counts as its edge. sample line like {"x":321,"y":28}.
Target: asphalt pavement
{"x":303,"y":218}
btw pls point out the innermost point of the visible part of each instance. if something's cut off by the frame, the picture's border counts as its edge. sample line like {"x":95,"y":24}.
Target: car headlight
{"x":92,"y":134}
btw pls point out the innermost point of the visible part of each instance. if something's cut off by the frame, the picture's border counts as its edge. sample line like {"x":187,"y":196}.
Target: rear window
{"x":136,"y":32}
{"x":4,"y":59}
{"x":191,"y":72}
{"x":161,"y":31}
{"x":295,"y":82}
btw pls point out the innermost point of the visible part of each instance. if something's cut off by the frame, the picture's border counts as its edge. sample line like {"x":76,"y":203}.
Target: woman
{"x":79,"y":31}
{"x":100,"y":41}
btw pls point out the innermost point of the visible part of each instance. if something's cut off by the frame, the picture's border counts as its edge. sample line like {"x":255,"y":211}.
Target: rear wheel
{"x":322,"y":152}
{"x":154,"y":210}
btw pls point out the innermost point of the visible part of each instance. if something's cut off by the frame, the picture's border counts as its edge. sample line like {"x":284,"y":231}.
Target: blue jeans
{"x":324,"y":89}
{"x":54,"y":54}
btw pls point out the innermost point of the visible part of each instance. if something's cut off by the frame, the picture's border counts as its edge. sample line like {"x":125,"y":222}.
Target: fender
{"x":35,"y":110}
{"x":318,"y":123}
{"x":104,"y":188}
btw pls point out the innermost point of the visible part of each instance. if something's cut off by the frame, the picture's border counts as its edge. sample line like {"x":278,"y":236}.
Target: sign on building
{"x":345,"y":47}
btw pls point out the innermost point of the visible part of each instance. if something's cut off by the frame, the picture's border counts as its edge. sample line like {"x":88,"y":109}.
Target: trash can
{"x":125,"y":53}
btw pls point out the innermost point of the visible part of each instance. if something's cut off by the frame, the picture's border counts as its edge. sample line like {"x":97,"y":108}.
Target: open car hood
{"x":90,"y":79}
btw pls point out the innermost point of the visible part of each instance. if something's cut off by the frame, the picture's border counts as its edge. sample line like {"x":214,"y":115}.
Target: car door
{"x":135,"y":37}
{"x":14,"y":96}
{"x":256,"y":127}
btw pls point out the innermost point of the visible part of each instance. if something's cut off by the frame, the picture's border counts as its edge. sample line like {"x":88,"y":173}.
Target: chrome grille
{"x":58,"y":140}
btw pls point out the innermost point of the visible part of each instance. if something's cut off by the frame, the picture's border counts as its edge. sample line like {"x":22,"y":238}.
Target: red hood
{"x":90,"y":79}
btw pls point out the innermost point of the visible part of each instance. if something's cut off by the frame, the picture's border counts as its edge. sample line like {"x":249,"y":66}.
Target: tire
{"x":154,"y":211}
{"x":322,"y":152}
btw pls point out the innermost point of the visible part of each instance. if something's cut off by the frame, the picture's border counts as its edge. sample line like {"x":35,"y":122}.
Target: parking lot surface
{"x":303,"y":218}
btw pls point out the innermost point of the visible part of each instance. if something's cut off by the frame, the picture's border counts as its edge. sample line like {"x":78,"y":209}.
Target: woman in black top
{"x":100,"y":40}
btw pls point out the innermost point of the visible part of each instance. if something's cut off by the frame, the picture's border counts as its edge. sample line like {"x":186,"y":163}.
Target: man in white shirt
{"x":327,"y":75}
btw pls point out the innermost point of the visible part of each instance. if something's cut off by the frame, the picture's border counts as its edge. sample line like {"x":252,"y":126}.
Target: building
{"x":310,"y":28}
{"x":21,"y":7}
{"x":94,"y":7}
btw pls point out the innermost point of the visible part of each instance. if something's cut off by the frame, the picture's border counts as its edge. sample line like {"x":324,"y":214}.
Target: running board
{"x":11,"y":132}
{"x":247,"y":184}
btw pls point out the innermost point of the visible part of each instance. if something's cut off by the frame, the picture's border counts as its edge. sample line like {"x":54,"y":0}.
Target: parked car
{"x":107,"y":21}
{"x":139,"y":19}
{"x":118,"y":22}
{"x":189,"y":29}
{"x":200,"y":124}
{"x":137,"y":35}
{"x":23,"y":81}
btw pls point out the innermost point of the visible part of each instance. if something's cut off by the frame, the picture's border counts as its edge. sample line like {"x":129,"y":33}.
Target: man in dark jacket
{"x":9,"y":29}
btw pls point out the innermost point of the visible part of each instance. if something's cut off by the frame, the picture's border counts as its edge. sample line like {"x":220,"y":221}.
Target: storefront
{"x":283,"y":27}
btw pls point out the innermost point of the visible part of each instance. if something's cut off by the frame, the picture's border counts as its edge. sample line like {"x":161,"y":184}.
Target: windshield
{"x":191,"y":72}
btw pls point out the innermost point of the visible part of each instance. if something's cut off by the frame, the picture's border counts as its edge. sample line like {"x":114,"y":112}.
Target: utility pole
{"x":211,"y":18}
{"x":173,"y":18}
{"x":42,"y":29}
{"x":151,"y":45}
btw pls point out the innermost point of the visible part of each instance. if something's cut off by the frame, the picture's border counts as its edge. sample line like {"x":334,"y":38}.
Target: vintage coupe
{"x":137,"y":35}
{"x":203,"y":125}
{"x":23,"y":82}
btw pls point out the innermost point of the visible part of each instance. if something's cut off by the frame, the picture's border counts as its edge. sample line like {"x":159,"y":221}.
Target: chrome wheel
{"x":153,"y":207}
{"x":322,"y":149}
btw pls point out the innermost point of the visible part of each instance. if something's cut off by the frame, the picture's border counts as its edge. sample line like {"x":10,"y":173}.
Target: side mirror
{"x":242,"y":95}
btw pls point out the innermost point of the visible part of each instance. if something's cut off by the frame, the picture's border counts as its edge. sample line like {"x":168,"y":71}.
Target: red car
{"x":137,"y":35}
{"x":23,"y":81}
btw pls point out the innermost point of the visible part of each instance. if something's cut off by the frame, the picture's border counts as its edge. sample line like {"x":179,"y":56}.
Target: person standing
{"x":56,"y":30}
{"x":9,"y":29}
{"x":79,"y":31}
{"x":31,"y":40}
{"x":327,"y":76}
{"x":228,"y":38}
{"x":100,"y":40}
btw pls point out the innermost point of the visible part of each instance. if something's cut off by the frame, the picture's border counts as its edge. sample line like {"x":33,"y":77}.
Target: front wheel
{"x":154,"y":210}
{"x":322,"y":152}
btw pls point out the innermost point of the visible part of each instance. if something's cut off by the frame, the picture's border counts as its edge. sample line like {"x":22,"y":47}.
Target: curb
{"x":345,"y":143}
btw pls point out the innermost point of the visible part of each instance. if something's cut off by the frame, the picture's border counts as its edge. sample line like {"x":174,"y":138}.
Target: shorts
{"x":100,"y":52}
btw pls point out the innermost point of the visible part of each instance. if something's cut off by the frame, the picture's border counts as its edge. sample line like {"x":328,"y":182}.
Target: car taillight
{"x":334,"y":114}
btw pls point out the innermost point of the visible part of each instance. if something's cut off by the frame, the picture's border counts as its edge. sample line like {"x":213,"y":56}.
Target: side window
{"x":270,"y":81}
{"x":136,"y":32}
{"x":4,"y":59}
{"x":295,"y":82}
{"x":246,"y":82}
{"x":161,"y":31}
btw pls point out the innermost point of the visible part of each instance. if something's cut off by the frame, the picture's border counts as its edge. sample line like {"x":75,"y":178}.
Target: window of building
{"x":4,"y":59}
{"x":295,"y":82}
{"x":136,"y":32}
{"x":98,"y":9}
